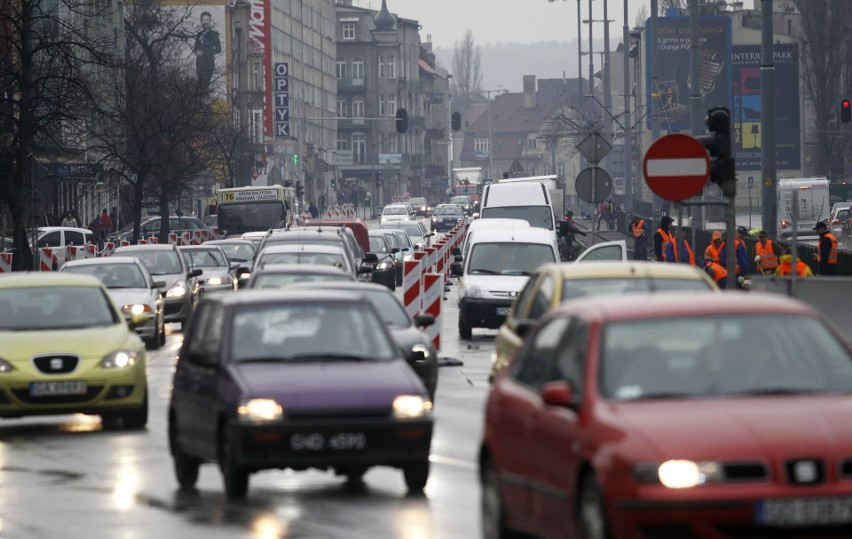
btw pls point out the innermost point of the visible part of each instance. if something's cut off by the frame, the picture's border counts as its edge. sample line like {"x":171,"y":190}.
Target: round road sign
{"x":676,"y":167}
{"x":593,"y":184}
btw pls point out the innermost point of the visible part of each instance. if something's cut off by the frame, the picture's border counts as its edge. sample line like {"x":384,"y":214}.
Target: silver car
{"x":217,"y":271}
{"x":132,"y":288}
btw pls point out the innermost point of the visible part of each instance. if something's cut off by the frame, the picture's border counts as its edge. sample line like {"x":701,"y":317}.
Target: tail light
{"x":785,"y":223}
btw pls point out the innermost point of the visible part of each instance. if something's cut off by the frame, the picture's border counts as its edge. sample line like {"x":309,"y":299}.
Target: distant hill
{"x":505,"y":64}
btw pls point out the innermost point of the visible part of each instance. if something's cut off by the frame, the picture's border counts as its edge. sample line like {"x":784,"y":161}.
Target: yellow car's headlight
{"x":137,"y":308}
{"x":260,"y":410}
{"x":5,"y":367}
{"x":411,"y":406}
{"x":120,"y":359}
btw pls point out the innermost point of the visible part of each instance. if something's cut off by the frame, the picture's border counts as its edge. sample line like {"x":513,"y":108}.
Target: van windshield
{"x":509,"y":258}
{"x":537,"y":216}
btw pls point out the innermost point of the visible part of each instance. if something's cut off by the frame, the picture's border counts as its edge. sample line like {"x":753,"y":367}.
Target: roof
{"x":298,"y":268}
{"x":607,"y":269}
{"x":102,"y":260}
{"x":526,"y":234}
{"x":145,"y":247}
{"x":250,"y":296}
{"x":292,"y":247}
{"x":47,"y":278}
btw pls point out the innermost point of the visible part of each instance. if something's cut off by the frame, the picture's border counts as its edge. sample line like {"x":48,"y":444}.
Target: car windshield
{"x":302,"y":257}
{"x":403,"y":239}
{"x":55,"y":308}
{"x":112,"y":275}
{"x":238,"y":252}
{"x":378,"y":245}
{"x":705,"y":356}
{"x":317,"y":331}
{"x":159,"y":262}
{"x":392,"y":312}
{"x":413,"y":230}
{"x":573,"y":288}
{"x":280,"y":280}
{"x":448,"y":210}
{"x":538,"y":216}
{"x":395,"y":211}
{"x":205,"y":258}
{"x":417,"y":201}
{"x":509,"y":258}
{"x":464,"y":201}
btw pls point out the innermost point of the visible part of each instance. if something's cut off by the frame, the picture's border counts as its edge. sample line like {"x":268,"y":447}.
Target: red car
{"x":673,"y":415}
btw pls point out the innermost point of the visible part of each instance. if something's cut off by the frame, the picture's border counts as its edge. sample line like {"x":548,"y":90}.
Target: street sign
{"x":593,"y":184}
{"x":594,"y":147}
{"x":676,"y":167}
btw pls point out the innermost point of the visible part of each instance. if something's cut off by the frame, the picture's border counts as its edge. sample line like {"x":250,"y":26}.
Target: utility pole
{"x":628,"y":120}
{"x":768,"y":180}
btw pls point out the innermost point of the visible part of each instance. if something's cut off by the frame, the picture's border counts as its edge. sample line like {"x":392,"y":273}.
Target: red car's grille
{"x":746,"y":531}
{"x":736,"y":472}
{"x":320,"y":413}
{"x":846,"y":469}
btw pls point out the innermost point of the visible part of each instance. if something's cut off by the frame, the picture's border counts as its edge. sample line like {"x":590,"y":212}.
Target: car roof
{"x":67,"y":228}
{"x":145,"y":247}
{"x":509,"y":234}
{"x":289,"y":294}
{"x":355,"y":286}
{"x":29,"y":279}
{"x":299,"y":268}
{"x":203,"y":247}
{"x":680,"y":304}
{"x":289,"y":247}
{"x":233,"y":241}
{"x":103,"y":260}
{"x":497,"y":222}
{"x":637,"y":269}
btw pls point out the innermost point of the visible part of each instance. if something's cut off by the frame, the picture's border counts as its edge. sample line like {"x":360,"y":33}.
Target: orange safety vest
{"x":667,"y":239}
{"x":713,"y":252}
{"x":717,"y":272}
{"x":832,"y":255}
{"x":638,"y":229}
{"x":691,"y":254}
{"x":786,"y":268}
{"x":768,"y":258}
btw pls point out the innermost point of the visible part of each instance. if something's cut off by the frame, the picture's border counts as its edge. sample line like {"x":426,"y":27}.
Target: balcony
{"x":350,"y":84}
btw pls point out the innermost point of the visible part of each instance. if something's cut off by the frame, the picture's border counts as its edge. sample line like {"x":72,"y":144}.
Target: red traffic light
{"x":845,"y":111}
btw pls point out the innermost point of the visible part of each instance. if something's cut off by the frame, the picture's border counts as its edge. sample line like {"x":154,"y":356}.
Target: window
{"x":481,"y":145}
{"x":256,"y":77}
{"x":535,"y":364}
{"x":531,"y":144}
{"x":571,"y":358}
{"x":383,"y":108}
{"x":358,"y":107}
{"x":547,"y":168}
{"x":560,"y":169}
{"x":341,"y":108}
{"x":525,"y":299}
{"x":341,"y":69}
{"x":381,"y":67}
{"x":256,"y":126}
{"x":391,"y":105}
{"x":541,"y":304}
{"x":357,"y":68}
{"x":342,"y":141}
{"x":349,"y":30}
{"x":387,"y":67}
{"x":359,"y":148}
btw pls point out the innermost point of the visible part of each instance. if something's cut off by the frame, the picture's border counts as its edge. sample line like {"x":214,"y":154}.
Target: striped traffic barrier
{"x":109,"y":247}
{"x":153,"y":239}
{"x":433,"y":294}
{"x":5,"y":262}
{"x":124,"y":243}
{"x":46,"y":259}
{"x":91,"y":250}
{"x":173,"y":238}
{"x":196,"y":237}
{"x":74,"y":252}
{"x":143,"y":242}
{"x":412,"y":286}
{"x":185,"y":239}
{"x":430,"y":259}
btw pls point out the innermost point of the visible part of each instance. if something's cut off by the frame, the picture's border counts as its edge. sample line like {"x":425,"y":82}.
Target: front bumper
{"x":331,"y":442}
{"x":484,"y":312}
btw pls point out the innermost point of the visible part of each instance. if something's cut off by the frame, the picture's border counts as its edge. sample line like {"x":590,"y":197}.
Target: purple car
{"x":295,"y":379}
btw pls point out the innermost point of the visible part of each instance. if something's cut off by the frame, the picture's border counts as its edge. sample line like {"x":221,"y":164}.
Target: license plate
{"x":341,"y":441}
{"x":502,"y":311}
{"x":805,"y":511}
{"x":44,"y":389}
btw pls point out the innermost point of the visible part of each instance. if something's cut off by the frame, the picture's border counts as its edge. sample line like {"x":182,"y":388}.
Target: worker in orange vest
{"x":713,"y":251}
{"x":680,"y":245}
{"x":766,"y":254}
{"x":716,"y":271}
{"x":640,"y":238}
{"x":826,"y":254}
{"x":662,"y":237}
{"x":785,"y":268}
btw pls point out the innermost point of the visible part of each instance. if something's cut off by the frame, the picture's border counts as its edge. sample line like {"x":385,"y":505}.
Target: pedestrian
{"x":69,"y":219}
{"x":826,"y":253}
{"x":312,"y":209}
{"x":785,"y":268}
{"x":662,"y":237}
{"x":640,"y":238}
{"x":610,"y":214}
{"x":680,"y":245}
{"x":716,"y":271}
{"x":766,"y":254}
{"x":107,"y":221}
{"x":740,"y":255}
{"x":714,"y":250}
{"x":96,"y":227}
{"x":602,"y":214}
{"x":568,"y":230}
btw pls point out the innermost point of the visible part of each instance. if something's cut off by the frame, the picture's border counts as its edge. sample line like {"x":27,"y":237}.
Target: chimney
{"x":529,"y":91}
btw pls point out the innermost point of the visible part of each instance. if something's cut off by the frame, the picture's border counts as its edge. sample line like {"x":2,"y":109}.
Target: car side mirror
{"x":394,"y":250}
{"x":523,"y":327}
{"x":195,"y":273}
{"x":234,"y":266}
{"x":457,"y":252}
{"x":159,"y":284}
{"x":456,"y":270}
{"x":558,"y":393}
{"x":371,"y":258}
{"x":430,"y":234}
{"x":424,"y":320}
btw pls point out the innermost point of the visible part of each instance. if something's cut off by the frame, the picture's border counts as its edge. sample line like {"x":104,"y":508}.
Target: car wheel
{"x":591,"y":517}
{"x":137,"y":419}
{"x":416,"y":476}
{"x":465,"y":331}
{"x":493,"y":516}
{"x":235,"y":477}
{"x":186,"y":467}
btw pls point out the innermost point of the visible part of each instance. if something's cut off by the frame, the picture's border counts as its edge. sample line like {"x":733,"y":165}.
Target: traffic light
{"x":333,"y":183}
{"x":295,"y":159}
{"x":456,"y":121}
{"x":300,"y":191}
{"x":845,"y":111}
{"x":401,"y":120}
{"x":718,"y":145}
{"x":378,"y":177}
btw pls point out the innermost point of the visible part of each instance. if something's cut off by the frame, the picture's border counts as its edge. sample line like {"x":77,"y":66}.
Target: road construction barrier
{"x":186,"y":239}
{"x":46,"y":259}
{"x":143,"y":242}
{"x":196,"y":237}
{"x":348,"y":211}
{"x":124,"y":243}
{"x":412,"y":286}
{"x":91,"y":250}
{"x":173,"y":238}
{"x":5,"y":262}
{"x":109,"y":247}
{"x":433,"y":295}
{"x":153,"y":239}
{"x":73,"y":252}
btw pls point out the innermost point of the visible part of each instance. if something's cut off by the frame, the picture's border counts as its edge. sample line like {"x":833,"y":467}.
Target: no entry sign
{"x":676,"y":167}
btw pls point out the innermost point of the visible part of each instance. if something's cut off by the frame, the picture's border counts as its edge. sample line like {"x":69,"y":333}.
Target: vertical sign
{"x":260,"y":42}
{"x":281,"y":97}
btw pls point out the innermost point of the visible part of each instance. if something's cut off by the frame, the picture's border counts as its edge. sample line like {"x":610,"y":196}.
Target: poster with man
{"x":206,"y":40}
{"x":207,"y":46}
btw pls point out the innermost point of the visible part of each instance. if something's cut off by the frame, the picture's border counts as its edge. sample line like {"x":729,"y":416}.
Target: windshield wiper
{"x":516,"y":272}
{"x":261,"y":359}
{"x":483,"y":270}
{"x":321,"y":356}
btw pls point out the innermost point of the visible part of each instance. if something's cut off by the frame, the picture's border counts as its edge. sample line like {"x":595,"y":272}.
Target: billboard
{"x":670,"y":55}
{"x":745,"y":113}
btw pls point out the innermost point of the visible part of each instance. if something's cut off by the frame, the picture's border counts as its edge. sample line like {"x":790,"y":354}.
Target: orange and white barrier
{"x":5,"y":262}
{"x":124,"y":243}
{"x":109,"y":247}
{"x":153,"y":240}
{"x":46,"y":259}
{"x":91,"y":250}
{"x":173,"y":238}
{"x":142,"y":241}
{"x":412,"y":286}
{"x":433,"y":294}
{"x":186,"y":239}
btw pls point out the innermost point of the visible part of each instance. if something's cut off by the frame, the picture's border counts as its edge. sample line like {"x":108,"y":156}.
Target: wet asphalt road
{"x":64,"y":476}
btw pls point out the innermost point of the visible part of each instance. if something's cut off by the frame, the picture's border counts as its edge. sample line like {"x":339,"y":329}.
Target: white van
{"x":813,"y":205}
{"x":529,"y":201}
{"x":494,"y":268}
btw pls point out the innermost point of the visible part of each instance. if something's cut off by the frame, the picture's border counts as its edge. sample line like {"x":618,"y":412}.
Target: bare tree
{"x":467,"y":72}
{"x":45,"y":50}
{"x":826,"y":54}
{"x":227,"y":143}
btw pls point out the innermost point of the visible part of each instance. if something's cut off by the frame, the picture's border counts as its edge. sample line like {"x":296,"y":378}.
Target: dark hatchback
{"x":296,"y":379}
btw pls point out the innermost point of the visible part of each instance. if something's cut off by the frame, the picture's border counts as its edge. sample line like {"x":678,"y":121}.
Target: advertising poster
{"x":671,"y":55}
{"x":745,"y":113}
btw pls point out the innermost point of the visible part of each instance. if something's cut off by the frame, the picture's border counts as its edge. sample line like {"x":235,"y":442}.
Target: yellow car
{"x":66,"y":348}
{"x":554,"y":283}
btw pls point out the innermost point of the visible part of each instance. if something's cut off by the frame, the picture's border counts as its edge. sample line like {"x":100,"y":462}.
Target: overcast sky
{"x":520,"y":21}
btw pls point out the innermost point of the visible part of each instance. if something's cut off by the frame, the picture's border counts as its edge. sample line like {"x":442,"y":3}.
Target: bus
{"x":254,"y":209}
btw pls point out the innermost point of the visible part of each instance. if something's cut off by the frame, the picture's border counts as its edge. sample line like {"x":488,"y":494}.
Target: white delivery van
{"x":494,"y":268}
{"x":813,"y":201}
{"x":527,"y":200}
